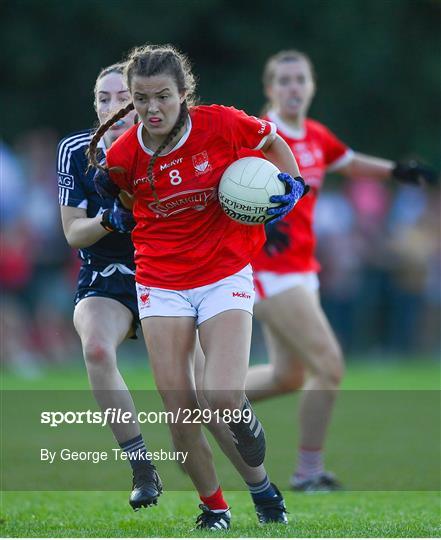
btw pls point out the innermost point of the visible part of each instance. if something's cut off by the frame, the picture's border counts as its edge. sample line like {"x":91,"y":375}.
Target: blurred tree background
{"x":378,"y":66}
{"x":378,"y":62}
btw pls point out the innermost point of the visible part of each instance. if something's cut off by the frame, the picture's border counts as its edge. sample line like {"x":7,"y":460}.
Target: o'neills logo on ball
{"x":194,"y":199}
{"x":244,"y":213}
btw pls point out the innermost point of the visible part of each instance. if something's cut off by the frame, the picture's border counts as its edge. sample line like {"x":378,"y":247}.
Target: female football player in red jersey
{"x":106,"y":310}
{"x":192,"y":261}
{"x":297,"y":332}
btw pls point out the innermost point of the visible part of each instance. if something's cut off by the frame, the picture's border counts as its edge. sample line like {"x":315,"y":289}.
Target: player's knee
{"x":330,"y":369}
{"x":184,"y":433}
{"x":289,"y":380}
{"x":181,"y":405}
{"x":225,"y":402}
{"x":97,"y":352}
{"x":337,"y":365}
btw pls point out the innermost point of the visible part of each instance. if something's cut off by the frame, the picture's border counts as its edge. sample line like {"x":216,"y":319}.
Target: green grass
{"x":379,"y":439}
{"x":416,"y":374}
{"x":93,"y":514}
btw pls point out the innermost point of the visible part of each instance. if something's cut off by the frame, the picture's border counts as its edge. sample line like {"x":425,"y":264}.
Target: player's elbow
{"x":75,"y":241}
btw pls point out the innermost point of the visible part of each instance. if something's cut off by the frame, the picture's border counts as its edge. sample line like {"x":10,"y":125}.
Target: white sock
{"x":309,"y":464}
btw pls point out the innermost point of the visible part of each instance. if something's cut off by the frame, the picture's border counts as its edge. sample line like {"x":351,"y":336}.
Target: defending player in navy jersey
{"x":76,"y":189}
{"x":105,"y":303}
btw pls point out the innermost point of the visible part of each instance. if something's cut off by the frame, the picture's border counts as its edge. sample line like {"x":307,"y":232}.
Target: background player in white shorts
{"x":300,"y":341}
{"x":301,"y":344}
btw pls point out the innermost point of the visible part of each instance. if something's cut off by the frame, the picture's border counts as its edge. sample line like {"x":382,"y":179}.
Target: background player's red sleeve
{"x":333,"y":148}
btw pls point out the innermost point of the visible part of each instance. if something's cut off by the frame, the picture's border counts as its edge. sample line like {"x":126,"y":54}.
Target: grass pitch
{"x":366,"y":513}
{"x":93,"y":514}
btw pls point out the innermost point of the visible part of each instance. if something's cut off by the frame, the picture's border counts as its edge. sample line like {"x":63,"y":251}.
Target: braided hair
{"x":183,"y":114}
{"x":92,"y":150}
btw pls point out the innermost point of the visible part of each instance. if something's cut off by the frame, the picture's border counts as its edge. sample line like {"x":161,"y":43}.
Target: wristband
{"x":105,"y":221}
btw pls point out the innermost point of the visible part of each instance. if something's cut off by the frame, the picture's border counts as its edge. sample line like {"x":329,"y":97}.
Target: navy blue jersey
{"x":76,"y":188}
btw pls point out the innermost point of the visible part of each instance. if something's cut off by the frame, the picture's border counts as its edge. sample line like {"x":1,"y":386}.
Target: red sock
{"x":215,"y":501}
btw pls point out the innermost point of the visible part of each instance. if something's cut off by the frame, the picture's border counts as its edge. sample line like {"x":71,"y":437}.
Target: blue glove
{"x":118,"y":219}
{"x":295,"y":190}
{"x":104,"y":185}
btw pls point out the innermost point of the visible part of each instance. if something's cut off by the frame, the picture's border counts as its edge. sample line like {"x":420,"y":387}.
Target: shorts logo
{"x":65,"y":181}
{"x":144,"y":296}
{"x":242,"y":294}
{"x":201,"y":163}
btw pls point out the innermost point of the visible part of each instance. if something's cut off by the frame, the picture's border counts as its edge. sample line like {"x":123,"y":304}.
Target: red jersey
{"x":317,"y":150}
{"x":185,"y":240}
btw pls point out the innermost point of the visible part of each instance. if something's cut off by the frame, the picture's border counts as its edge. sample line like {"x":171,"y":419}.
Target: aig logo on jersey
{"x":201,"y":163}
{"x":65,"y":181}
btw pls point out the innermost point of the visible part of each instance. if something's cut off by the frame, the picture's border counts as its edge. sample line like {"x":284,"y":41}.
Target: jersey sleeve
{"x":245,"y":131}
{"x":119,"y":167}
{"x":71,"y":188}
{"x":336,"y":153}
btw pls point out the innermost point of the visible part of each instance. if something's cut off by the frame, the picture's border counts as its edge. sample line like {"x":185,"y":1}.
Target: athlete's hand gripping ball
{"x":277,"y":238}
{"x":104,"y":185}
{"x":414,"y":172}
{"x":118,"y":219}
{"x":295,"y":190}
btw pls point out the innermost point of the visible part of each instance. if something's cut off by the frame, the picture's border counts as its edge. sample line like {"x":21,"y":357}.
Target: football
{"x":246,"y":187}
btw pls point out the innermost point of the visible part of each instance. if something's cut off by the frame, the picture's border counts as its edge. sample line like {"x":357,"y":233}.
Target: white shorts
{"x":268,"y":284}
{"x":202,"y":303}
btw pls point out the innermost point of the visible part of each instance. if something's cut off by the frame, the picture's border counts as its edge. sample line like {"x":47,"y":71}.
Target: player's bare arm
{"x":278,"y":152}
{"x":410,"y":171}
{"x":368,"y":166}
{"x":81,"y":231}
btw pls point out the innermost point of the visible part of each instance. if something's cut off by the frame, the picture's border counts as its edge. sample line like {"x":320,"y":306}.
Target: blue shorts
{"x":116,"y":281}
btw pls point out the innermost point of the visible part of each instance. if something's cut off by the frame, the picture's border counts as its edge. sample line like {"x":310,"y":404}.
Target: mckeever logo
{"x":172,"y":163}
{"x":194,"y":199}
{"x":242,"y":294}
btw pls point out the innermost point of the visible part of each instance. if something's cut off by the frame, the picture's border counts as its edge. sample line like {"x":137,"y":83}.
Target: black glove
{"x":104,"y":185}
{"x":277,"y":238}
{"x":118,"y":219}
{"x":414,"y":172}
